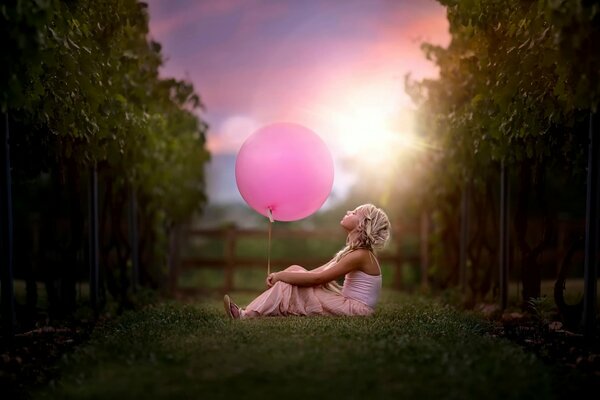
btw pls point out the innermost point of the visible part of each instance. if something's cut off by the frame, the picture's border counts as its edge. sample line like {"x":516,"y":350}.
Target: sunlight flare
{"x":371,"y":130}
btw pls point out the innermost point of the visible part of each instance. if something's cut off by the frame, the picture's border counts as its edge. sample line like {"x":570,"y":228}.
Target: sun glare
{"x":363,"y":130}
{"x":372,"y":135}
{"x":370,"y":128}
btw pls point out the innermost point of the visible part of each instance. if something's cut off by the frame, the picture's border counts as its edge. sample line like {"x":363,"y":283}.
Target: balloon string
{"x":269,"y":245}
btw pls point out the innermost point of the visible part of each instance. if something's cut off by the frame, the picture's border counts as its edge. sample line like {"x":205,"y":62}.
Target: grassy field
{"x":412,"y":348}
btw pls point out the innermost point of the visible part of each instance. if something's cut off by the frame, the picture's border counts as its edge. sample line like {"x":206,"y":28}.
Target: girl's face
{"x":350,"y":220}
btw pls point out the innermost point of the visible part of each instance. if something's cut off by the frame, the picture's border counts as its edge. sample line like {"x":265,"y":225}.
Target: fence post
{"x":229,"y":254}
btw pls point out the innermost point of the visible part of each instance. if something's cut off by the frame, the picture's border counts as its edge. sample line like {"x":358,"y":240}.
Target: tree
{"x":504,"y":95}
{"x":83,"y":90}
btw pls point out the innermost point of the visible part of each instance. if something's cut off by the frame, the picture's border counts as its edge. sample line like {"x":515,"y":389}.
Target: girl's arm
{"x":320,"y":276}
{"x":322,"y":267}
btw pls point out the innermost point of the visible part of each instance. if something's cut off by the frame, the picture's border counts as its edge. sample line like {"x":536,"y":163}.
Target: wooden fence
{"x":230,"y":237}
{"x":229,"y":261}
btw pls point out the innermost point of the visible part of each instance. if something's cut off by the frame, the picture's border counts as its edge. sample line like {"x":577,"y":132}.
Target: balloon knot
{"x":270,"y":214}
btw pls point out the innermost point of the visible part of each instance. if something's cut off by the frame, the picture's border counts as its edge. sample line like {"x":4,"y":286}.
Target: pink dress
{"x":359,"y":296}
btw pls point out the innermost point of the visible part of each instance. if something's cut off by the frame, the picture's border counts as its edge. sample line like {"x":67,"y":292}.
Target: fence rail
{"x":229,"y":262}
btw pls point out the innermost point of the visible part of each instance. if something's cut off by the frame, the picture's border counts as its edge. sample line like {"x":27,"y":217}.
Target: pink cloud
{"x":265,"y":74}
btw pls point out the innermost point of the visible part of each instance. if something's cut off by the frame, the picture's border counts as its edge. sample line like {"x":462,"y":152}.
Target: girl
{"x":296,"y":291}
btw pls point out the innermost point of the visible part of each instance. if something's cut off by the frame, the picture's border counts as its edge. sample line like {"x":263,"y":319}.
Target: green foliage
{"x":80,"y":82}
{"x":516,"y":84}
{"x":577,"y":32}
{"x":502,"y":92}
{"x":22,"y":32}
{"x":543,"y":309}
{"x":412,"y":348}
{"x":91,"y":86}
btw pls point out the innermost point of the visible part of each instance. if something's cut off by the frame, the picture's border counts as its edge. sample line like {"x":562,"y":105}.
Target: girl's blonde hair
{"x":372,"y":232}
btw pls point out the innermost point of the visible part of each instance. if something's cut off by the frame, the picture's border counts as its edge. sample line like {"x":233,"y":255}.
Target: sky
{"x":335,"y":66}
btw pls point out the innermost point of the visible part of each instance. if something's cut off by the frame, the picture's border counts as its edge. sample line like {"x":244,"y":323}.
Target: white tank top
{"x":359,"y":285}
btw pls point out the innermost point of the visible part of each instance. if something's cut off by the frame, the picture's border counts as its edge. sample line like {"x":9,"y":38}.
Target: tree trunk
{"x":531,"y":270}
{"x":133,"y":237}
{"x":75,"y":229}
{"x":571,"y":313}
{"x":592,"y":231}
{"x":530,"y":273}
{"x":464,"y":235}
{"x":6,"y":235}
{"x":93,"y":237}
{"x":503,"y":224}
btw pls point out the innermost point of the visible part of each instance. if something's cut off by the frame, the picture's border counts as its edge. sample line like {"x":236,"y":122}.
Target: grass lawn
{"x":412,"y":348}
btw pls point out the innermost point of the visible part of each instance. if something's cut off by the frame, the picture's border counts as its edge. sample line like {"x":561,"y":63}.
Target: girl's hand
{"x":271,"y":279}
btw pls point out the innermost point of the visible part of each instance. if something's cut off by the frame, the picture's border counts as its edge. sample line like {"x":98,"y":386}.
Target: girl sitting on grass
{"x":297,"y":291}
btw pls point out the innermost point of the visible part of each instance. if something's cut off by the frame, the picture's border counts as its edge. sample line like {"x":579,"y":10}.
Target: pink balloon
{"x":284,"y":167}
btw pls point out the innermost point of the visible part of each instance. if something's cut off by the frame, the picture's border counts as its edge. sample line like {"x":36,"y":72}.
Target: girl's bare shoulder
{"x":368,"y":261}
